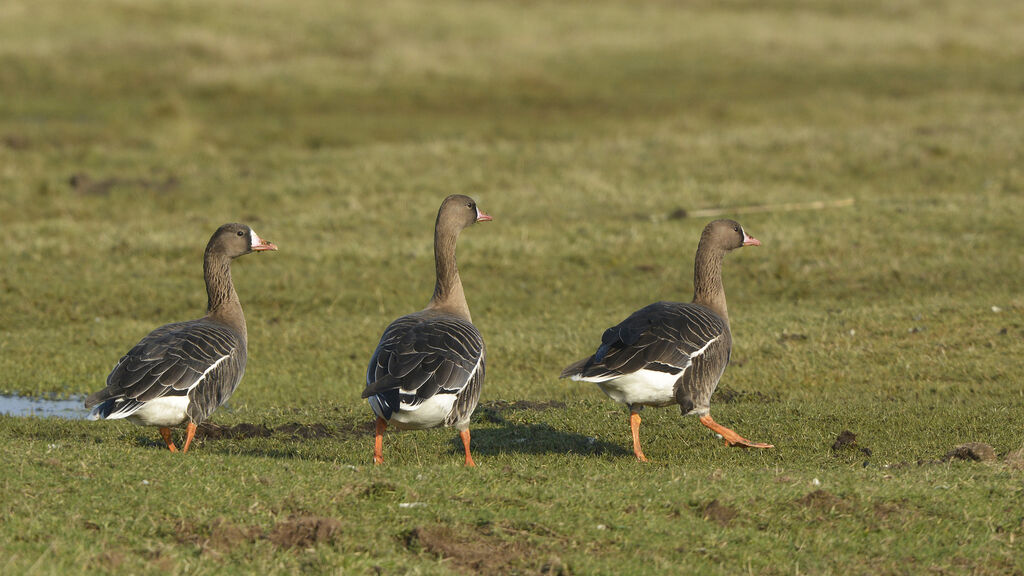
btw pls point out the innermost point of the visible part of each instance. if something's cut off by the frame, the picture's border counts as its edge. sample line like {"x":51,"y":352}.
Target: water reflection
{"x":71,"y":408}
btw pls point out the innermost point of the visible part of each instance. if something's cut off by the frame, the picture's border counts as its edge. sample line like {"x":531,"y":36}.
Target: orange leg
{"x":731,"y":437}
{"x":634,"y":427}
{"x":190,"y":432}
{"x":464,"y":434}
{"x":378,"y":441}
{"x":166,"y":433}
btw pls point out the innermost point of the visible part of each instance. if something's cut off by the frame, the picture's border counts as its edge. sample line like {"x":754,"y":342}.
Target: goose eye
{"x":736,"y":228}
{"x":241,"y":233}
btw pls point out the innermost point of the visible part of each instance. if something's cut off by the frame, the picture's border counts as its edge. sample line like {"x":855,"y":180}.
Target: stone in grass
{"x":976,"y":451}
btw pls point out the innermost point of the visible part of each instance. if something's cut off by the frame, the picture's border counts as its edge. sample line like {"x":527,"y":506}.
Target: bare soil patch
{"x":480,"y":550}
{"x":304,"y":532}
{"x":719,"y":513}
{"x":1015,"y":459}
{"x":976,"y":451}
{"x":221,"y":535}
{"x":85,"y":185}
{"x":494,"y":410}
{"x":210,"y":431}
{"x":823,"y":501}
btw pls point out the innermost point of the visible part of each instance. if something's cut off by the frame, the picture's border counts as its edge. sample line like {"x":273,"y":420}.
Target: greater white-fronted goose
{"x":183,"y":371}
{"x":673,"y":352}
{"x":428,"y":368}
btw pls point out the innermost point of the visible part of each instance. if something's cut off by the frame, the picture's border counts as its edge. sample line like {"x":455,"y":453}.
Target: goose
{"x":428,"y":368}
{"x":182,"y":372}
{"x":673,"y":352}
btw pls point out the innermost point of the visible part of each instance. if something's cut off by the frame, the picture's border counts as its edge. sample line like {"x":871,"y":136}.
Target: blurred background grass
{"x":130,"y":130}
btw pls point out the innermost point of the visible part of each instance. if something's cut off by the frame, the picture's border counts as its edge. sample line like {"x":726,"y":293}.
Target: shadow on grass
{"x":291,"y":440}
{"x":536,"y":439}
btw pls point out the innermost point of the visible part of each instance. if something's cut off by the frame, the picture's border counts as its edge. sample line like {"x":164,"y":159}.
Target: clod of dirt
{"x":792,"y":337}
{"x":718,"y":512}
{"x":976,"y":451}
{"x":845,"y":438}
{"x":304,"y":531}
{"x":677,"y":214}
{"x":1015,"y":459}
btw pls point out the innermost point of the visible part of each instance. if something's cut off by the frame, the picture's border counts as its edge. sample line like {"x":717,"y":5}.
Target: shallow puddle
{"x":72,"y":408}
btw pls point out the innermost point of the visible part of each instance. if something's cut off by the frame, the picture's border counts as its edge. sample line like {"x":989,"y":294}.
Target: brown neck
{"x":448,"y":293}
{"x":707,"y":280}
{"x":222,"y":304}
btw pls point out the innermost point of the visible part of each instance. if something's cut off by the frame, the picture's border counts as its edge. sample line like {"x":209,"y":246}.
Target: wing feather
{"x":172,"y":360}
{"x":663,"y":336}
{"x":421,"y":355}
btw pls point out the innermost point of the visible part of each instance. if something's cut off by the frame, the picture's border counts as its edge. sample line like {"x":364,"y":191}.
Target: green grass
{"x":335,"y":129}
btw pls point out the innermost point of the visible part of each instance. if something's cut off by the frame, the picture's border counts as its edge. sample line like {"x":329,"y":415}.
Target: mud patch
{"x":896,"y":510}
{"x":726,"y":395}
{"x":975,"y":451}
{"x":222,"y":536}
{"x":85,"y":185}
{"x":792,"y":337}
{"x":824,"y":501}
{"x":494,"y":410}
{"x":16,"y":142}
{"x":304,"y":532}
{"x":717,"y":512}
{"x":209,"y":431}
{"x":479,"y":550}
{"x":110,"y":560}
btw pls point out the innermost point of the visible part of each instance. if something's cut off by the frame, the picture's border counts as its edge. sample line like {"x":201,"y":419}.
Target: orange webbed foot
{"x":731,"y":438}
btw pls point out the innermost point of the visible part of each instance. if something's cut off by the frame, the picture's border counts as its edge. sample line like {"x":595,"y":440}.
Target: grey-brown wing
{"x":200,"y":357}
{"x":664,"y":336}
{"x":418,"y":357}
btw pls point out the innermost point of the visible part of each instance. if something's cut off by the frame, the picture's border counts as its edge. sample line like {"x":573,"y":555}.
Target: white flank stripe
{"x":475,"y":368}
{"x":580,"y":378}
{"x":208,"y":370}
{"x":704,"y":347}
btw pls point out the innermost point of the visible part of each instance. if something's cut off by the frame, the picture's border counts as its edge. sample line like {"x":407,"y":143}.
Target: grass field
{"x":130,"y":130}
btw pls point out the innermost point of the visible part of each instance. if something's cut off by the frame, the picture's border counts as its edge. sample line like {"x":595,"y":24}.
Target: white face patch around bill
{"x":254,"y":240}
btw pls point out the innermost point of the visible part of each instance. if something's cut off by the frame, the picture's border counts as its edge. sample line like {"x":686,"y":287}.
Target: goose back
{"x":424,"y":356}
